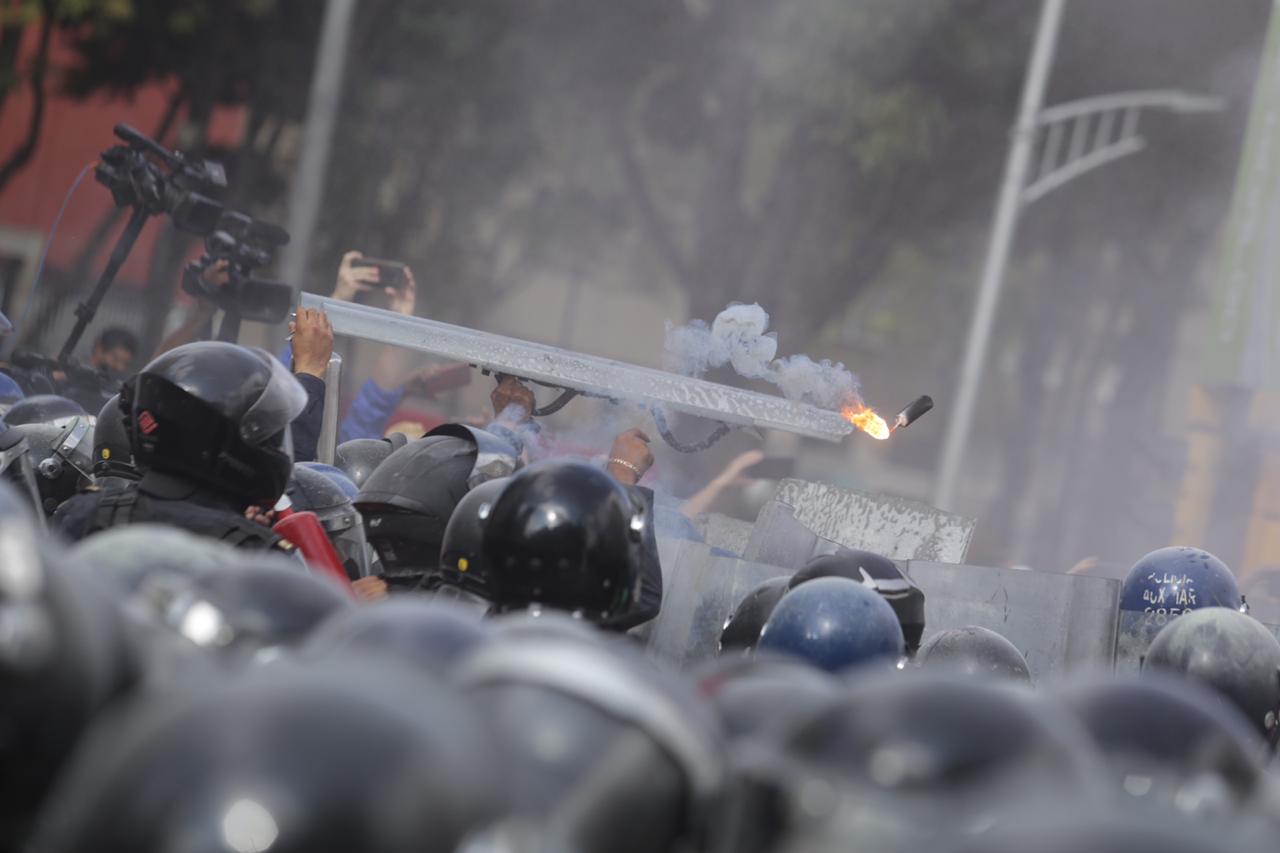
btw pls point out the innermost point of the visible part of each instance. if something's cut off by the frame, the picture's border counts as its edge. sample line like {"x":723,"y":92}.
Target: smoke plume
{"x":739,"y":337}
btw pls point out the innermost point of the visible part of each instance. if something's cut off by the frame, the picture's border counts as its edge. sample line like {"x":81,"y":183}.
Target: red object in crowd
{"x":303,"y":529}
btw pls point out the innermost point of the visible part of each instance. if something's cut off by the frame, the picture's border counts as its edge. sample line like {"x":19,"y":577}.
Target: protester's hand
{"x":512,"y":401}
{"x":630,"y":457}
{"x":354,"y":280}
{"x":404,"y":300}
{"x":216,"y":274}
{"x":312,"y":341}
{"x":257,"y":515}
{"x":733,"y":474}
{"x":369,"y":589}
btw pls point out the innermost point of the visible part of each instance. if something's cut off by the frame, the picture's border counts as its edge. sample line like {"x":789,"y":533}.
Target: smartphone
{"x":772,"y":468}
{"x":390,"y":273}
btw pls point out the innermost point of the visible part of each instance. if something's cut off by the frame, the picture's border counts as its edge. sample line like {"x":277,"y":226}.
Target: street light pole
{"x":997,"y":259}
{"x":306,"y":191}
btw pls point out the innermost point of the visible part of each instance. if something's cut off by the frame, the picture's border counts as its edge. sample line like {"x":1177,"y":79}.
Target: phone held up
{"x":390,"y":273}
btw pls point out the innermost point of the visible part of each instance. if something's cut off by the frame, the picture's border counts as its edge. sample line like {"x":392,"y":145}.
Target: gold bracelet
{"x":625,"y":464}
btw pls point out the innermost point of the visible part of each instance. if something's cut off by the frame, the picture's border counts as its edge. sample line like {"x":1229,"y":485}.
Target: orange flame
{"x":866,"y":420}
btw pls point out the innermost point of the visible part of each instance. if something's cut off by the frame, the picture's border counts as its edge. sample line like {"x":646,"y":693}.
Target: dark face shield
{"x":346,"y":531}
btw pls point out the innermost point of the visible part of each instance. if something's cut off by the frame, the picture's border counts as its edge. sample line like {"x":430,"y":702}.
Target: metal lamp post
{"x":1074,"y":138}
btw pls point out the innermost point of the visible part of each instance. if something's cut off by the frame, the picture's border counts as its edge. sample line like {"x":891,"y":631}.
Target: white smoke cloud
{"x":739,"y":337}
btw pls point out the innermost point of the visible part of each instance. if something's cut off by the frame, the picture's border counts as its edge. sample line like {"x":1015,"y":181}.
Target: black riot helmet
{"x":60,"y":457}
{"x":432,"y":635}
{"x":250,"y":610}
{"x":1229,"y":651}
{"x":565,"y":536}
{"x":742,"y":629}
{"x":311,"y":491}
{"x":1062,"y":828}
{"x":1169,"y":743}
{"x":606,"y":749}
{"x":496,"y":455}
{"x":112,"y":452}
{"x":975,"y":651}
{"x":906,"y":759}
{"x":407,"y":501}
{"x":359,"y":457}
{"x":524,"y":625}
{"x":218,"y":414}
{"x":43,"y":409}
{"x":881,"y":574}
{"x":763,"y":695}
{"x":122,"y":559}
{"x":329,"y":758}
{"x":62,"y":660}
{"x":460,"y":557}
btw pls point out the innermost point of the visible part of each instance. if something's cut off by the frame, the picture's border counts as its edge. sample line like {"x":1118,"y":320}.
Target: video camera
{"x":134,"y":180}
{"x":245,"y":244}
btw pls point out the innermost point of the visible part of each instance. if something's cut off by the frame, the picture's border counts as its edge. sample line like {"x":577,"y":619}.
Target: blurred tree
{"x":761,"y":151}
{"x":255,"y":53}
{"x":46,"y":15}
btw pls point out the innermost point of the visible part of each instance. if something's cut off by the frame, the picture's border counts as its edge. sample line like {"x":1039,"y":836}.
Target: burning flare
{"x":866,"y":420}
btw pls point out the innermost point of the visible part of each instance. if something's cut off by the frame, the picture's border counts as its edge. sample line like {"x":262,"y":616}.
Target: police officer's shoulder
{"x":72,"y":518}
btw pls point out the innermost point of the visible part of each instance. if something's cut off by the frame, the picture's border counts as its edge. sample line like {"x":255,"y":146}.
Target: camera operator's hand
{"x":512,"y":401}
{"x":312,"y":342}
{"x":404,"y":300}
{"x":354,"y":280}
{"x":630,"y":457}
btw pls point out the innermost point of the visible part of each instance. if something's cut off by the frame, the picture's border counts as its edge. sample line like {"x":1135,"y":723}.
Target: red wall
{"x":73,"y":134}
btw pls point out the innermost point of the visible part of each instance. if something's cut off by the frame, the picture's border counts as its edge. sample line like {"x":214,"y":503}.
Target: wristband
{"x":625,"y":464}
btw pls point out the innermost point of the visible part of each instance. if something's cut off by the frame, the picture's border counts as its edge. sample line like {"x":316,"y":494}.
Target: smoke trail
{"x":738,"y":337}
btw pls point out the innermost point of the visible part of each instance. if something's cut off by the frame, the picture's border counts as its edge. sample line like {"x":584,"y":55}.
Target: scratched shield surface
{"x":700,"y":590}
{"x":1058,"y":622}
{"x":588,"y":374}
{"x":804,"y":518}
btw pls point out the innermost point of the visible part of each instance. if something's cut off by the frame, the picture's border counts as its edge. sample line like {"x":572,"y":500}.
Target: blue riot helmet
{"x":311,"y":490}
{"x":881,"y":574}
{"x":334,"y":473}
{"x":44,"y":409}
{"x":10,"y":392}
{"x":835,"y":624}
{"x":1163,"y":585}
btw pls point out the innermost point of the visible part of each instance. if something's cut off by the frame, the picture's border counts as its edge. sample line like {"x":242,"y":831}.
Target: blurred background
{"x":582,"y":173}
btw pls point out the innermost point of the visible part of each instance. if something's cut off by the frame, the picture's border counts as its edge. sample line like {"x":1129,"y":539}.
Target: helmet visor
{"x":346,"y":532}
{"x":281,"y":401}
{"x":16,"y":467}
{"x":75,"y":446}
